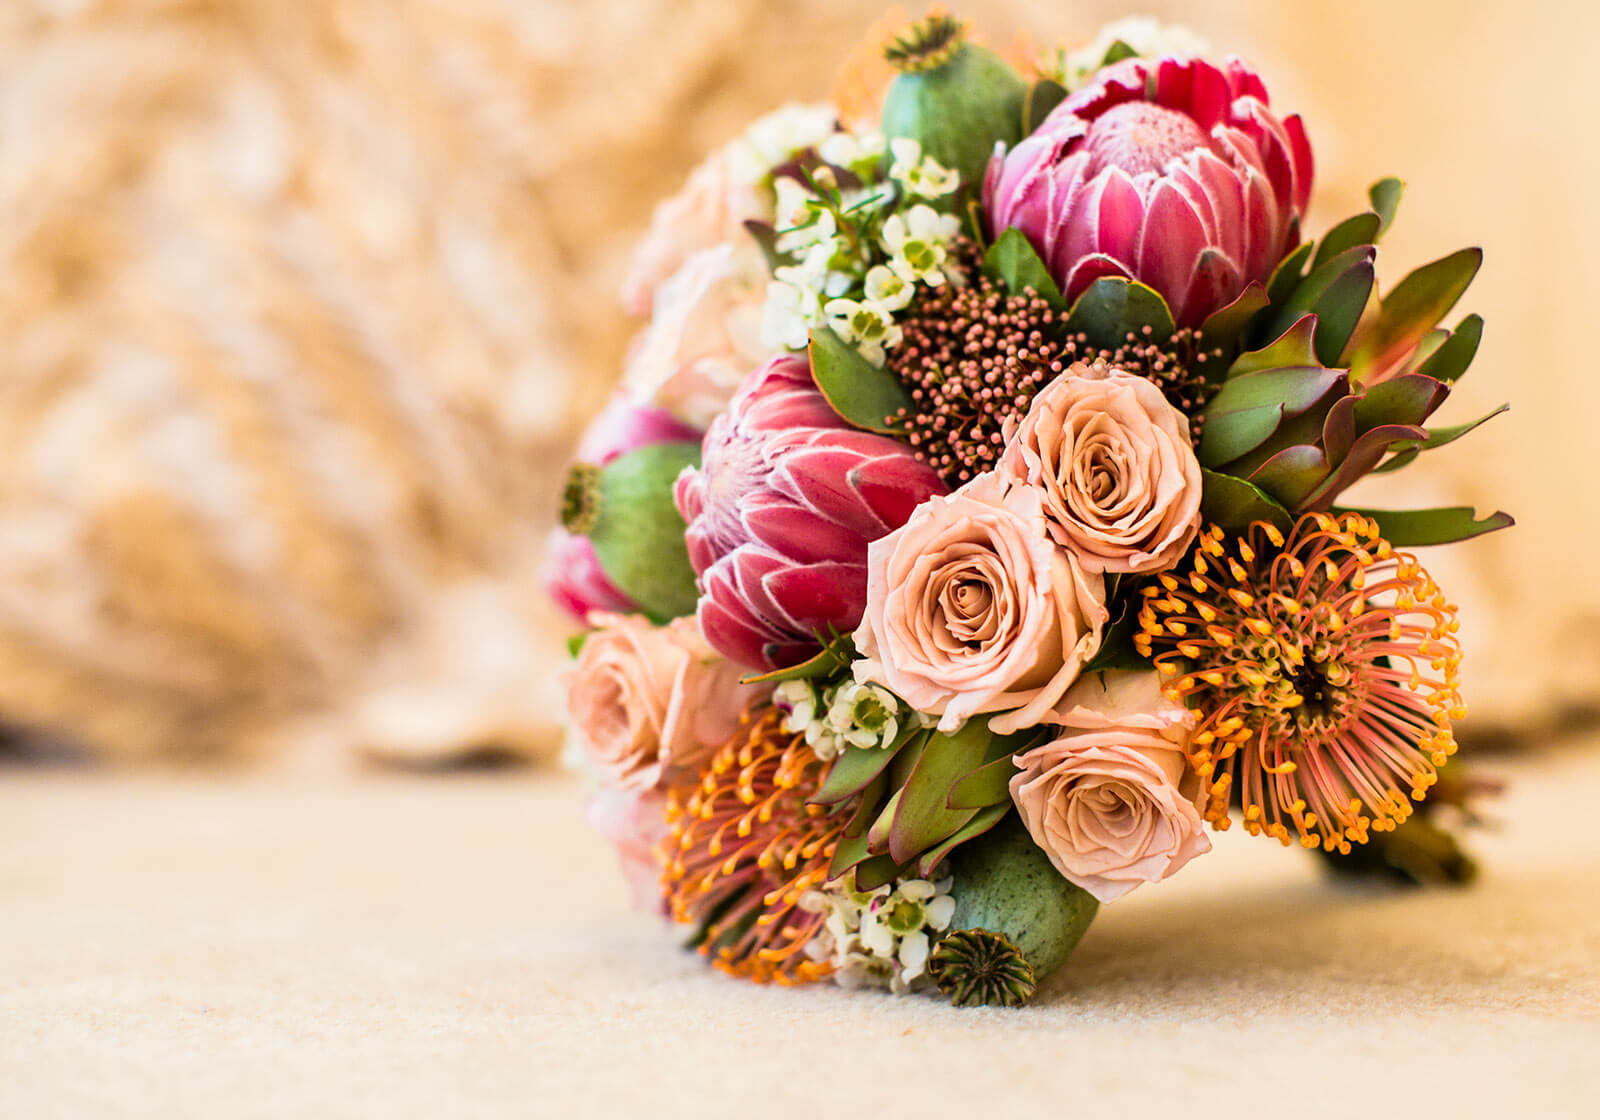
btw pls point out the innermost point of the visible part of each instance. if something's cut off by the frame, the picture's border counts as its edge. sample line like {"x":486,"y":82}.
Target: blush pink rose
{"x":1114,"y":467}
{"x":722,"y":194}
{"x":647,"y":702}
{"x":971,"y":610}
{"x":705,"y":333}
{"x":1110,"y":801}
{"x":635,"y":823}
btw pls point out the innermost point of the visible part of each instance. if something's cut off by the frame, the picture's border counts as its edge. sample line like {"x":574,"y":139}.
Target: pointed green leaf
{"x":1385,"y":198}
{"x":1291,"y":475}
{"x":867,"y":810}
{"x":835,"y":657}
{"x":1043,"y":96}
{"x":1013,"y":261}
{"x":878,"y":834}
{"x":1287,"y":276}
{"x":1224,"y":327}
{"x":860,"y":392}
{"x":1250,"y":409}
{"x":923,"y":817}
{"x":857,"y":766}
{"x":1339,"y":310}
{"x":1407,"y":399}
{"x":1437,"y":437}
{"x":1359,"y":230}
{"x":1118,"y":51}
{"x":1291,"y":348}
{"x":576,"y":643}
{"x":1308,"y":293}
{"x":879,"y":871}
{"x":1419,"y":528}
{"x":1418,"y":303}
{"x":976,"y":827}
{"x":849,"y":852}
{"x":1112,"y":308}
{"x":989,"y":784}
{"x":1234,"y":504}
{"x":1453,"y":357}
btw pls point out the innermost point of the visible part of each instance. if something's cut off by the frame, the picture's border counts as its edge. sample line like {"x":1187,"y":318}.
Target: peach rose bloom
{"x":1111,"y":801}
{"x":723,"y":193}
{"x":1114,"y":467}
{"x":648,"y":701}
{"x":971,"y":610}
{"x":705,"y":335}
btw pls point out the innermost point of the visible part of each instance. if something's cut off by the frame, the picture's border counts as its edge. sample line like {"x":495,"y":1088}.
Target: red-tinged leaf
{"x":1420,"y":528}
{"x":1234,"y":504}
{"x":989,"y":784}
{"x":1369,"y":450}
{"x":923,"y":817}
{"x":1408,"y":399}
{"x":855,"y":768}
{"x":1452,"y":358}
{"x":1224,"y":327}
{"x":1292,"y":474}
{"x":976,"y":827}
{"x":1437,"y":437}
{"x":1416,"y":306}
{"x":1291,"y":348}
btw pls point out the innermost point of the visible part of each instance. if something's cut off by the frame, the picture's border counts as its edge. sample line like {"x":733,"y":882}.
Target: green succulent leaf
{"x":1292,"y":347}
{"x":866,"y":812}
{"x":1417,"y":304}
{"x":1225,"y":326}
{"x":1287,"y":276}
{"x":1455,"y":354}
{"x":989,"y":784}
{"x":1419,"y":528}
{"x":1437,"y":437}
{"x":856,"y":768}
{"x":1234,"y":503}
{"x":982,"y":822}
{"x":1385,"y":198}
{"x":1043,"y":96}
{"x":1348,"y":234}
{"x":1293,"y":474}
{"x":923,"y":816}
{"x":1407,"y":399}
{"x":1329,"y":291}
{"x":1250,"y":409}
{"x":1013,"y":261}
{"x":1339,"y":310}
{"x":1117,"y":52}
{"x":1112,"y":308}
{"x":878,"y":871}
{"x":834,"y":658}
{"x":860,"y":392}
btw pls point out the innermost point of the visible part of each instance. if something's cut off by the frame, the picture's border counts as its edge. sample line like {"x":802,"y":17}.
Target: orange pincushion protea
{"x":743,"y":848}
{"x":1323,"y":672}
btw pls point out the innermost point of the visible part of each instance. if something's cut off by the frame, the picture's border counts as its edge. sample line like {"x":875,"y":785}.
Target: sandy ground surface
{"x":462,"y":947}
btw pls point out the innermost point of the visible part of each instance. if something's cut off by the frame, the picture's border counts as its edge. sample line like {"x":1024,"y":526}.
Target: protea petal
{"x":780,"y":514}
{"x":1206,"y":168}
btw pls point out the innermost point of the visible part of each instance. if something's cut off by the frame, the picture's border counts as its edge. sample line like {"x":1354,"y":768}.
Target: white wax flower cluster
{"x":879,"y":938}
{"x":859,"y":251}
{"x":848,"y":714}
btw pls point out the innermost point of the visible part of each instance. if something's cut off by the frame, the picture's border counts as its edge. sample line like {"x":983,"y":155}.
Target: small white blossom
{"x":796,"y":296}
{"x":917,"y":242}
{"x":880,"y":938}
{"x":864,"y":715}
{"x":805,"y":712}
{"x":776,"y":138}
{"x":921,"y":175}
{"x":855,"y":151}
{"x":866,"y":326}
{"x":888,"y":290}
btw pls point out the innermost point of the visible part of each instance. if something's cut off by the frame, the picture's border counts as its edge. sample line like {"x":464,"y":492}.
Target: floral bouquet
{"x":966,"y":539}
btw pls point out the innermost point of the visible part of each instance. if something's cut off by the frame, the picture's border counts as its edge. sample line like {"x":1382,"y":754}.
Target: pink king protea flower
{"x":781,"y":511}
{"x":1171,"y":172}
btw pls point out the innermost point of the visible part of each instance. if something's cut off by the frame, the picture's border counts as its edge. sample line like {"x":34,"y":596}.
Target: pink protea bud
{"x":781,"y":511}
{"x":1171,"y":172}
{"x":575,"y":580}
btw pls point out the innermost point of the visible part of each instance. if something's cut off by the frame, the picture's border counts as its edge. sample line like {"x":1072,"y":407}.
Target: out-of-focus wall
{"x":300,"y":305}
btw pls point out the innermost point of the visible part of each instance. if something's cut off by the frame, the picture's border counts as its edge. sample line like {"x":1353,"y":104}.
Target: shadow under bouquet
{"x":966,"y":541}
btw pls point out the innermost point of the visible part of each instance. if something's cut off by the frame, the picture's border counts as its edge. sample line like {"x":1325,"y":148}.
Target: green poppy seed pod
{"x":1016,"y":920}
{"x":953,"y":97}
{"x":626,"y":510}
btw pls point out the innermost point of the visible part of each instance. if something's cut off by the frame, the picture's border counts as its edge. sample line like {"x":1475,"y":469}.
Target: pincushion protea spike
{"x":746,"y":845}
{"x":1323,"y":670}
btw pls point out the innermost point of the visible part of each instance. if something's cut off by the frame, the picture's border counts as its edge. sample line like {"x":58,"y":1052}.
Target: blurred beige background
{"x":302,"y":304}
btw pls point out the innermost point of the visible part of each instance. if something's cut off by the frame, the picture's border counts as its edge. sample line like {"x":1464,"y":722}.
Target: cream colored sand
{"x":405,"y":948}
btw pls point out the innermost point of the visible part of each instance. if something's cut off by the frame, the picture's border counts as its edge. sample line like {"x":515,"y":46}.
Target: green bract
{"x":1013,"y":908}
{"x":1335,"y":383}
{"x":956,"y":99}
{"x":637,"y":532}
